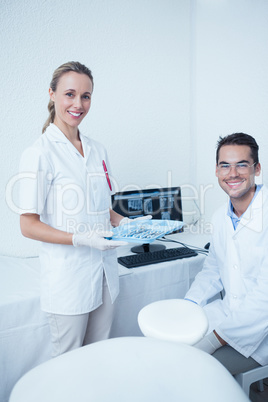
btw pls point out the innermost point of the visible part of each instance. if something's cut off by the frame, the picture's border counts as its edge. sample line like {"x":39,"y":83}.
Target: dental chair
{"x":133,"y":369}
{"x":182,"y":321}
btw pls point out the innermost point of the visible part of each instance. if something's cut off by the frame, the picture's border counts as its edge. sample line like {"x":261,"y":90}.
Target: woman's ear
{"x":51,"y":94}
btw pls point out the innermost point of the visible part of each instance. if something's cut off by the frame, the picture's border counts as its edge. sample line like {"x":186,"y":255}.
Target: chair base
{"x":254,"y":375}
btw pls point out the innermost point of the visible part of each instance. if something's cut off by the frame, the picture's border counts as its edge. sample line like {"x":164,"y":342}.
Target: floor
{"x":256,"y":396}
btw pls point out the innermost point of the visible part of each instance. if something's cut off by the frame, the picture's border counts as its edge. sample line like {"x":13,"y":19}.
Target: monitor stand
{"x":145,"y":248}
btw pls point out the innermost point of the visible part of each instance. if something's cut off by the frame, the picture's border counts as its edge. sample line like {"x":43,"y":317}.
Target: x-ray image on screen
{"x":135,"y":205}
{"x":148,"y":206}
{"x":166,"y":202}
{"x":161,"y":203}
{"x":165,"y":215}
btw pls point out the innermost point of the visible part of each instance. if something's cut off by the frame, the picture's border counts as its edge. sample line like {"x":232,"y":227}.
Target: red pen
{"x":106,"y":174}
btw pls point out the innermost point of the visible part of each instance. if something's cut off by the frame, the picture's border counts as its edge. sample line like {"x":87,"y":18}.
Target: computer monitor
{"x":161,"y":203}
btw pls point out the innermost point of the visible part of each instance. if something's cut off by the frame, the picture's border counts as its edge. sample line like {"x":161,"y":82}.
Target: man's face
{"x":238,"y":185}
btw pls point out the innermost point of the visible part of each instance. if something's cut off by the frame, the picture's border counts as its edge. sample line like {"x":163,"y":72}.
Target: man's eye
{"x":242,"y":165}
{"x":226,"y":166}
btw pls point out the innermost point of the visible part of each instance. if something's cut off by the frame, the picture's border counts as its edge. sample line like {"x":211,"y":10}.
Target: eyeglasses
{"x":241,"y":168}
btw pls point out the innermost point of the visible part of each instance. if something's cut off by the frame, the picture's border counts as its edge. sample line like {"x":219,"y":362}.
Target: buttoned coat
{"x":238,"y":264}
{"x":70,"y":193}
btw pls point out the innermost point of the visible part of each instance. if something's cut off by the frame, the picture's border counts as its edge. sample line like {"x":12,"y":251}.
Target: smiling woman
{"x":66,"y":206}
{"x":72,"y":100}
{"x":57,"y":76}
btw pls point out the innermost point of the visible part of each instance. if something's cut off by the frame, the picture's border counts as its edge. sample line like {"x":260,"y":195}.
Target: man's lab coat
{"x":238,"y":263}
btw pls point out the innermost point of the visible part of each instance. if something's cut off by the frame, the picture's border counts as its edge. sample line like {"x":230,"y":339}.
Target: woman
{"x":66,"y":205}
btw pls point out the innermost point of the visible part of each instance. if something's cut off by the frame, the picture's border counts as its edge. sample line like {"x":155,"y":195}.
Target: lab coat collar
{"x":56,"y":135}
{"x":253,"y":217}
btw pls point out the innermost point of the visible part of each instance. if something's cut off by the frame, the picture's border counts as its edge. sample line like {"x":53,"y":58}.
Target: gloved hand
{"x":209,"y":343}
{"x":96,"y":240}
{"x":127,"y":220}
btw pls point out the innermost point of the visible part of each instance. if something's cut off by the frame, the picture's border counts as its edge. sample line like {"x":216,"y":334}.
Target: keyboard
{"x":154,"y":257}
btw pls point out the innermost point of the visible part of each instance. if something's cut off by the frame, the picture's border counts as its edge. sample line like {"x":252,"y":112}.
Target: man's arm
{"x":245,"y":328}
{"x":207,"y":283}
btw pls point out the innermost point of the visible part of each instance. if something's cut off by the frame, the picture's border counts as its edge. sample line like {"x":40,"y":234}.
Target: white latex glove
{"x":141,"y":218}
{"x":209,"y":343}
{"x":96,"y":240}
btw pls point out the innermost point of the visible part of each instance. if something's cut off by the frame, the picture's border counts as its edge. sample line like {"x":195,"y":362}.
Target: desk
{"x":24,"y":331}
{"x":144,"y":285}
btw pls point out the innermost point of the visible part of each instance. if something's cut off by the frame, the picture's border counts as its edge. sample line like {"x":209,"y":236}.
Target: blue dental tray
{"x":145,"y":231}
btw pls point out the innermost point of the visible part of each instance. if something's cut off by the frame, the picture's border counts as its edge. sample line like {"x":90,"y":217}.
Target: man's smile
{"x":234,"y":184}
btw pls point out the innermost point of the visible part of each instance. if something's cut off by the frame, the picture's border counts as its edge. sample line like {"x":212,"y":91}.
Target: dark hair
{"x":74,"y":66}
{"x":239,"y":139}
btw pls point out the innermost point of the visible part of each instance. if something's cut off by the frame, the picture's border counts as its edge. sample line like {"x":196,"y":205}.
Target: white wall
{"x":170,"y":77}
{"x":230,"y":82}
{"x":138,"y":51}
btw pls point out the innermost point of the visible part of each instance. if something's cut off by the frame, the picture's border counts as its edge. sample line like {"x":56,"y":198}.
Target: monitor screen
{"x":161,"y":203}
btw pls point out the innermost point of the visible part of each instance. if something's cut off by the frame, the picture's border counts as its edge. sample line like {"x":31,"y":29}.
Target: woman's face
{"x":72,"y":99}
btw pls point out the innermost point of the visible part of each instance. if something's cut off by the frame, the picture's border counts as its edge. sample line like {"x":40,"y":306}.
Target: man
{"x":237,"y":262}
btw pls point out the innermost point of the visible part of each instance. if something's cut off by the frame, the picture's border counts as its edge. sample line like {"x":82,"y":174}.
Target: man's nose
{"x":233,"y":170}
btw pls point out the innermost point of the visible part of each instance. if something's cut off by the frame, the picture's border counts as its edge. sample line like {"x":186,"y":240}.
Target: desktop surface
{"x":191,"y":240}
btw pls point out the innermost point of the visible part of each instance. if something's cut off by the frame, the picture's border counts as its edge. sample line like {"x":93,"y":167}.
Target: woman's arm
{"x":115,"y":218}
{"x":32,"y":227}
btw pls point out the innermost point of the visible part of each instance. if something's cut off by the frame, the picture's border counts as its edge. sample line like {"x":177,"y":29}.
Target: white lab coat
{"x":70,"y":193}
{"x":238,"y":263}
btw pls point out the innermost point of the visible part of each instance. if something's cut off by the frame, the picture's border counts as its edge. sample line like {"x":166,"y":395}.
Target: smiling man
{"x":237,"y":264}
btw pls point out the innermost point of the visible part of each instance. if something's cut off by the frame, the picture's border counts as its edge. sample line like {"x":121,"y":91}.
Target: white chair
{"x":183,"y":321}
{"x":134,"y":369}
{"x":175,"y":320}
{"x":247,"y":378}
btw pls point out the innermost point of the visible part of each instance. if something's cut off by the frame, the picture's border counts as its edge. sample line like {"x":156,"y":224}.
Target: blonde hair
{"x":74,"y":66}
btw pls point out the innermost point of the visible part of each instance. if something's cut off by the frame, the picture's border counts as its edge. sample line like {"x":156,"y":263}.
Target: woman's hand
{"x":96,"y":240}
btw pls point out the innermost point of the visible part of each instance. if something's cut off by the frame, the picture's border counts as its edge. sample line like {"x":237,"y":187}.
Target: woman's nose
{"x":77,"y":102}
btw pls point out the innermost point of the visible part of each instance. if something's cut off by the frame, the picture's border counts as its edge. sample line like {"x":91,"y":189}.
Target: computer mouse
{"x":207,"y":246}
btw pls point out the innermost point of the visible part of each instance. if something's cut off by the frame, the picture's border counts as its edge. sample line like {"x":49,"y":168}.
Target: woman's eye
{"x":69,"y":94}
{"x":87,"y":97}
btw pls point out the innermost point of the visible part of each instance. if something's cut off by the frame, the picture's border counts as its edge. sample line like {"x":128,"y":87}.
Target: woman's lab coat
{"x":70,"y":193}
{"x":238,"y":263}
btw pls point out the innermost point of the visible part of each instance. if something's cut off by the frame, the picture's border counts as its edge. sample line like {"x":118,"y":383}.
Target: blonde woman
{"x":65,"y":205}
